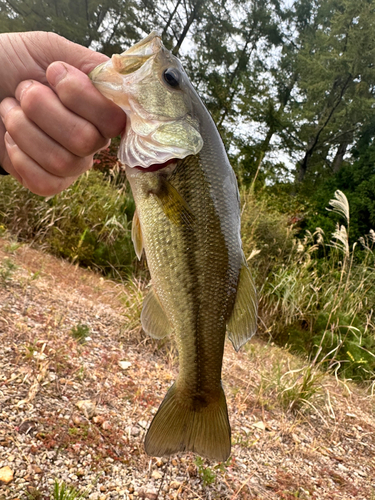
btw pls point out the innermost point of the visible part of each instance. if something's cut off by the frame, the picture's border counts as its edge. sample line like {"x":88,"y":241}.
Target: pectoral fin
{"x":173,"y":204}
{"x":154,"y":321}
{"x":243,"y":322}
{"x":137,"y":236}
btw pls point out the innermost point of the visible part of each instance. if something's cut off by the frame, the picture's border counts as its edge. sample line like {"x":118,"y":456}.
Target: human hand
{"x":53,"y":118}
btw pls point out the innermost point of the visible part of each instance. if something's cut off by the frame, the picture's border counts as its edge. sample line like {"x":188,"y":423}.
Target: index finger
{"x":78,"y":94}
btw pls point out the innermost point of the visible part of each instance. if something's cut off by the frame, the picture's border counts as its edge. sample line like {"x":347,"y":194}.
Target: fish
{"x":187,"y":221}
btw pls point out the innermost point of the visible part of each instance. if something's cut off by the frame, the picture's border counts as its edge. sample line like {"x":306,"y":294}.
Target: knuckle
{"x":86,"y":141}
{"x":33,"y":99}
{"x":13,"y":119}
{"x":47,"y":187}
{"x":113,"y":123}
{"x":64,"y":164}
{"x":58,"y":165}
{"x":42,"y":184}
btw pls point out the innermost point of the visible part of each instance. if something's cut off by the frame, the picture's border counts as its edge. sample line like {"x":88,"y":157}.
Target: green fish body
{"x":188,"y":223}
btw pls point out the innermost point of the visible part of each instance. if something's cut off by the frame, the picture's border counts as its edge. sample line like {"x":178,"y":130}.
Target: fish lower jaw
{"x":170,"y":164}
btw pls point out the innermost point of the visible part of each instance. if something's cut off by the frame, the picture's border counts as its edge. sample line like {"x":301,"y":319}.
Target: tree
{"x":228,"y":63}
{"x":79,"y":21}
{"x":336,"y":82}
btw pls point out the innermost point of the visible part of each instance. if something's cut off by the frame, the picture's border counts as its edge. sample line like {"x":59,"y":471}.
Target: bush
{"x":357,"y":180}
{"x":88,"y":223}
{"x":323,"y":307}
{"x":267,"y":234}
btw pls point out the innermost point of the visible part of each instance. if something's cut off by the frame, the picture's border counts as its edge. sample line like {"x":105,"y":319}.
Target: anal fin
{"x":153,"y":318}
{"x":243,"y":322}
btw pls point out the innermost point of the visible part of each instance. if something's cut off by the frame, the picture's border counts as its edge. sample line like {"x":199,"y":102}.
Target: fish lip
{"x":156,"y":166}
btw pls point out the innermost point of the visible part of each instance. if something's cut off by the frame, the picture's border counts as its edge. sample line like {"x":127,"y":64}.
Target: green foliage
{"x":357,"y":180}
{"x":323,"y":307}
{"x":108,"y":24}
{"x":346,"y":345}
{"x":31,"y":350}
{"x":63,"y":492}
{"x":7,"y":268}
{"x":209,"y":474}
{"x":206,"y":473}
{"x":296,"y":389}
{"x":34,"y":494}
{"x":228,"y":63}
{"x":267,"y":234}
{"x":80,"y":333}
{"x":335,"y":72}
{"x":88,"y":223}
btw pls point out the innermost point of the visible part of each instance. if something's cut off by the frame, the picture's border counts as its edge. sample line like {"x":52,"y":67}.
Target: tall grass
{"x":320,"y":301}
{"x":317,"y":294}
{"x":267,"y":235}
{"x":89,"y":223}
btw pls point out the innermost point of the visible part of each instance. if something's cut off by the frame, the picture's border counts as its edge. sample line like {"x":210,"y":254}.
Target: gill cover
{"x":150,"y":85}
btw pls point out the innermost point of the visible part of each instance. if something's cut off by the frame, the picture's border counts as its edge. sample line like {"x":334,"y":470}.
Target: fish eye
{"x":172,"y":77}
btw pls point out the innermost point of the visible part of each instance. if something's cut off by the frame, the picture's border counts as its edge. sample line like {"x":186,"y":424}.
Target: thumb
{"x":26,"y":56}
{"x":49,"y":47}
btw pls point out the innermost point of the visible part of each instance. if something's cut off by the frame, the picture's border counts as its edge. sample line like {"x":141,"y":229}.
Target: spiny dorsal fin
{"x":137,"y":238}
{"x":243,"y":322}
{"x":154,"y":321}
{"x":173,"y":204}
{"x":178,"y":426}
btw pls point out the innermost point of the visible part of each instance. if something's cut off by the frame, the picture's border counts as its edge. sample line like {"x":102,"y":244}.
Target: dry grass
{"x":296,"y":432}
{"x":320,"y":301}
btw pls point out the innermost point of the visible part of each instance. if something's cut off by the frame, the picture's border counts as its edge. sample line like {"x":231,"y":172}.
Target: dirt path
{"x":325,"y":449}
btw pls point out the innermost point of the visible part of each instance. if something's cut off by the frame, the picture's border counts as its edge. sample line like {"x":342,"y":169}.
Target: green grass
{"x":63,"y":492}
{"x":7,"y":269}
{"x":60,"y":491}
{"x":323,"y":306}
{"x":208,"y":474}
{"x":89,"y":223}
{"x":80,"y":333}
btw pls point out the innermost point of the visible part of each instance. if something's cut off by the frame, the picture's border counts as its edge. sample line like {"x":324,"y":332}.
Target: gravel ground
{"x":78,"y":412}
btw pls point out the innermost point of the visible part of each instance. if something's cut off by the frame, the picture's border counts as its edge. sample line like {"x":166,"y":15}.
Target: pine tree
{"x":336,"y":80}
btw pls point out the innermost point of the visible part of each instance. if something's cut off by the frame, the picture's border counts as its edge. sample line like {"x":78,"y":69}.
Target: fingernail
{"x":9,"y":140}
{"x":56,"y":72}
{"x":6,"y":105}
{"x":21,"y":89}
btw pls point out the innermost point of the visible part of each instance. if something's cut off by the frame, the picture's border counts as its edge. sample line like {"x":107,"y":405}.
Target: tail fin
{"x":177,"y":427}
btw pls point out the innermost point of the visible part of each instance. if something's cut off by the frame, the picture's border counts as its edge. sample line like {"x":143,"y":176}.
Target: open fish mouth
{"x":150,"y":85}
{"x":130,"y":61}
{"x":157,"y":166}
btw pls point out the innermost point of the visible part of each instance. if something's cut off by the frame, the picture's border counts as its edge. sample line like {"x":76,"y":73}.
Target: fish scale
{"x":187,"y":221}
{"x":197,"y":288}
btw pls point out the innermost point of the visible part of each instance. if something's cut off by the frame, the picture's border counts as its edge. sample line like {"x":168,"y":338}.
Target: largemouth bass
{"x":187,"y":221}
